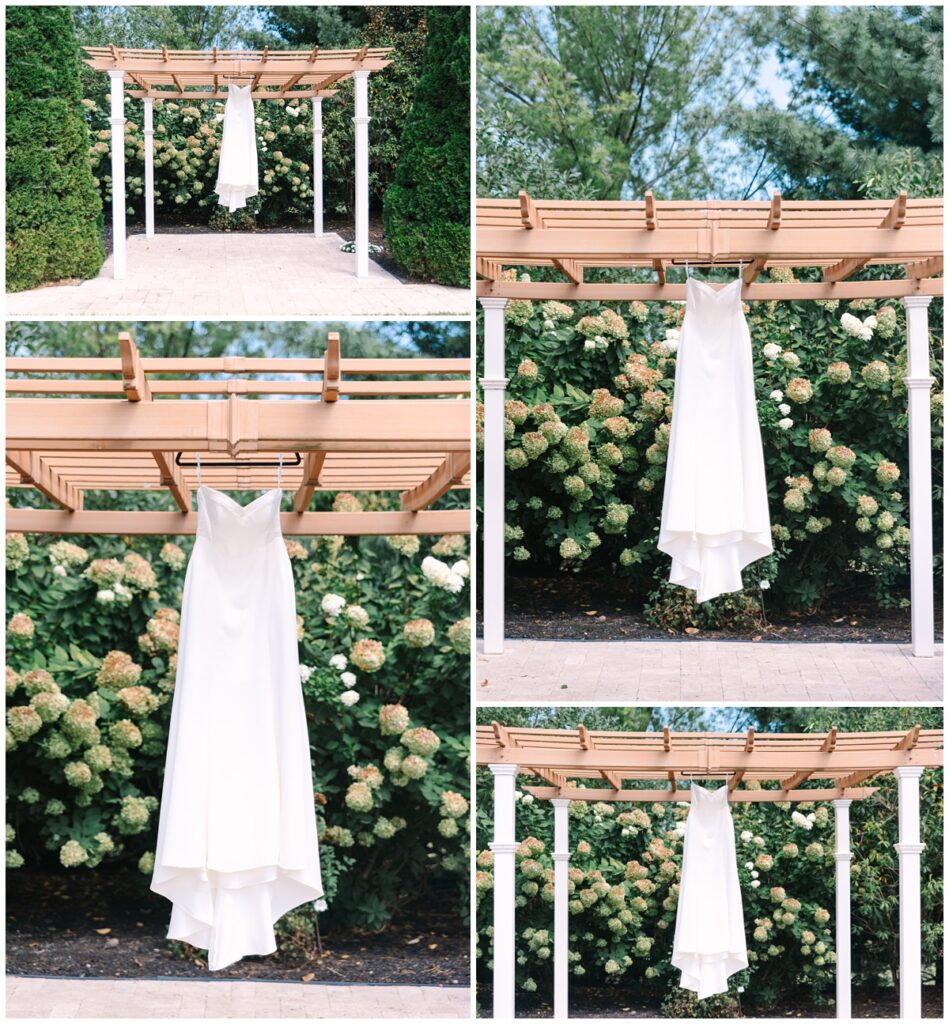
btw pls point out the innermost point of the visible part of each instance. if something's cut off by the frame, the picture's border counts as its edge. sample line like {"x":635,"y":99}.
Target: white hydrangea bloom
{"x":777,"y":396}
{"x":771,"y":351}
{"x":349,"y":698}
{"x":755,"y":884}
{"x":746,"y":836}
{"x":786,"y":423}
{"x":348,"y":680}
{"x":59,"y":570}
{"x":784,"y":409}
{"x":460,"y":568}
{"x":589,"y":345}
{"x":332,"y":605}
{"x":305,"y":672}
{"x":339,"y":662}
{"x":105,"y":596}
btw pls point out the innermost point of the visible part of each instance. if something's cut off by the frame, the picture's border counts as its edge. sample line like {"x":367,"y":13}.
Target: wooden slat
{"x":754,"y":268}
{"x":134,"y":382}
{"x":313,"y":463}
{"x":173,"y":478}
{"x":652,"y":221}
{"x":774,"y":214}
{"x":735,"y":781}
{"x":449,"y":474}
{"x":660,"y":268}
{"x":925,"y":268}
{"x":185,"y":523}
{"x":53,"y":485}
{"x":842,"y":270}
{"x":571,"y":269}
{"x":331,"y":373}
{"x":896,"y":217}
{"x":744,"y":796}
{"x":529,"y":218}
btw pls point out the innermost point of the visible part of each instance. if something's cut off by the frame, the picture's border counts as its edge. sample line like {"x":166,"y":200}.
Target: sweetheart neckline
{"x":236,"y":504}
{"x":715,"y":292}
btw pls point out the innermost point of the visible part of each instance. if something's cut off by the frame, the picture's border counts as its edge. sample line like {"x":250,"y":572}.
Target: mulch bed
{"x":582,"y":608}
{"x":611,"y":1003}
{"x":54,"y":923}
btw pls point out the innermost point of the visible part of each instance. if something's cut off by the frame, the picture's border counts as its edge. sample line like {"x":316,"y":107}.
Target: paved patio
{"x":539,"y":671}
{"x":222,"y":275}
{"x":87,"y":998}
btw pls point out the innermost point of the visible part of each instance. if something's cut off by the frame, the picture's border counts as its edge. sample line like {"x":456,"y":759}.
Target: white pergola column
{"x":361,"y":121}
{"x":909,"y":849}
{"x":561,"y":912}
{"x":117,"y":142}
{"x":492,"y":487}
{"x":918,"y":384}
{"x":149,"y":133}
{"x":504,"y":848}
{"x":843,"y":857}
{"x":317,"y":165}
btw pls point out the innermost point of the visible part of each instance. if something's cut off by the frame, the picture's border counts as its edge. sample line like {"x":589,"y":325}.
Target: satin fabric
{"x":709,"y":944}
{"x":237,"y":177}
{"x":237,"y":841}
{"x":715,"y":517}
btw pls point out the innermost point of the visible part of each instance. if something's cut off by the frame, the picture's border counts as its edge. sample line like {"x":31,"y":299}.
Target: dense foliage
{"x":624,"y":877}
{"x":427,"y":209}
{"x":92,"y":637}
{"x":53,"y":208}
{"x":587,"y":426}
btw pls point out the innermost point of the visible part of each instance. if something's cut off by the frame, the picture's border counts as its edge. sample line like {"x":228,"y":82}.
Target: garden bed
{"x":596,"y":608}
{"x":611,"y":1003}
{"x":55,"y":921}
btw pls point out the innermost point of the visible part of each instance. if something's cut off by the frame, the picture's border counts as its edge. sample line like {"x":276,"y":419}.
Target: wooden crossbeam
{"x":529,"y":216}
{"x":896,"y":217}
{"x":658,"y":796}
{"x":331,"y":371}
{"x":586,"y":740}
{"x":924,"y":268}
{"x":501,"y":735}
{"x":173,"y":479}
{"x":362,"y":53}
{"x":660,"y":268}
{"x":774,"y":214}
{"x":312,"y":467}
{"x":178,"y":85}
{"x":612,"y":778}
{"x":908,"y":742}
{"x":797,"y":778}
{"x":842,"y":270}
{"x":313,"y":54}
{"x":554,"y":778}
{"x":754,"y":268}
{"x":666,"y":738}
{"x":33,"y":470}
{"x":488,"y":269}
{"x":735,"y":781}
{"x":134,"y":381}
{"x":164,"y":54}
{"x":310,"y":524}
{"x":652,"y":221}
{"x":115,"y":53}
{"x":571,"y":269}
{"x":260,"y":94}
{"x":449,"y":474}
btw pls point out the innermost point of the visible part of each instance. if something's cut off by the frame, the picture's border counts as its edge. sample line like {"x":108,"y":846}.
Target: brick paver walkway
{"x":225,"y":275}
{"x":538,"y":671}
{"x":87,"y":998}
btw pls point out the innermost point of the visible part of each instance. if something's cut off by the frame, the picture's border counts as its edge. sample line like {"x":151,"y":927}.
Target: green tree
{"x":427,"y":209}
{"x":630,"y":98}
{"x":866,"y":90}
{"x":177,"y":27}
{"x":53,"y":209}
{"x":331,"y":27}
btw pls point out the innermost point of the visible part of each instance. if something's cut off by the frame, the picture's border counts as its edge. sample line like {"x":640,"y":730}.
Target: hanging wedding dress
{"x":237,"y":843}
{"x":237,"y":165}
{"x":709,"y":943}
{"x":715,"y":504}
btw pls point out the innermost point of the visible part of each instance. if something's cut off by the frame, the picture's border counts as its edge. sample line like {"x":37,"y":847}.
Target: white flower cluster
{"x":778,"y":396}
{"x":862,"y":329}
{"x":802,"y":821}
{"x":771,"y":351}
{"x":451,"y":578}
{"x":671,"y":343}
{"x":332,"y":605}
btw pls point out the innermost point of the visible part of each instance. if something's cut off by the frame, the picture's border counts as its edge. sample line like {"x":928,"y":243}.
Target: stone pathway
{"x":223,"y":275}
{"x":661,"y":672}
{"x":87,"y":998}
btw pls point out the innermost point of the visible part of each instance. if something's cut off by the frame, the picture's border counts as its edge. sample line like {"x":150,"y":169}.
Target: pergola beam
{"x":449,"y":474}
{"x":529,"y":217}
{"x":742,"y":796}
{"x":173,"y":479}
{"x":774,"y":214}
{"x":924,"y":268}
{"x":652,"y":220}
{"x":312,"y":467}
{"x":331,"y":368}
{"x":896,"y":217}
{"x":570,"y":269}
{"x":34,"y":471}
{"x":31,"y":520}
{"x":844,"y":268}
{"x":305,"y":93}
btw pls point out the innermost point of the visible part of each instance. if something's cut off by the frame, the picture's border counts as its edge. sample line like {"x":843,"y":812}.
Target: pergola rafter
{"x":575,"y":763}
{"x":137,"y":431}
{"x":198,"y":76}
{"x":834,"y":238}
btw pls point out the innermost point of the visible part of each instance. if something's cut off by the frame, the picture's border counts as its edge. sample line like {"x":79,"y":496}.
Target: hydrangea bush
{"x":92,"y":638}
{"x":587,"y":432}
{"x":623,"y":886}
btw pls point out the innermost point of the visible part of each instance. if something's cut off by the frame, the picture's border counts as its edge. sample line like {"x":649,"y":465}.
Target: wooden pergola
{"x":593,"y":765}
{"x":171,"y":423}
{"x":569,"y":239}
{"x":194,"y":76}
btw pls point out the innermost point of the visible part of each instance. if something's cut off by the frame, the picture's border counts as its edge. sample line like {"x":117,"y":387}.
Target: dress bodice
{"x":231,"y":527}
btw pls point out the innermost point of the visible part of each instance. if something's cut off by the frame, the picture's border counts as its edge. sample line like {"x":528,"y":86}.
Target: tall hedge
{"x":54,"y":213}
{"x":427,"y":210}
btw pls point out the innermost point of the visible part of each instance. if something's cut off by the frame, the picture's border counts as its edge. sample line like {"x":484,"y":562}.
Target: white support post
{"x":561,"y":914}
{"x":149,"y":133}
{"x":909,"y":849}
{"x":494,"y":382}
{"x":117,"y":121}
{"x":843,"y":857}
{"x":918,"y":384}
{"x":361,"y":121}
{"x":504,"y":848}
{"x":317,"y":165}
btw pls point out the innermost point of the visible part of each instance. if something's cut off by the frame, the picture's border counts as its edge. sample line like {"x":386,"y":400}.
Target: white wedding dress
{"x":715,"y":504}
{"x":709,"y":944}
{"x":237,"y":165}
{"x":237,"y":841}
